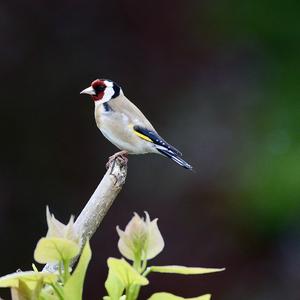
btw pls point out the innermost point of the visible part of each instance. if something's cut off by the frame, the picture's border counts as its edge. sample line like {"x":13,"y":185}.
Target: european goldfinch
{"x":124,"y":125}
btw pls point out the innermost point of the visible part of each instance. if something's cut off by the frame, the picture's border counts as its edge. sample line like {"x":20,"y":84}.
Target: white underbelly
{"x":134,"y":144}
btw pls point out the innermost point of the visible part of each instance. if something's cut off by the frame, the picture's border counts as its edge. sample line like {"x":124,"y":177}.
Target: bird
{"x":125,"y":126}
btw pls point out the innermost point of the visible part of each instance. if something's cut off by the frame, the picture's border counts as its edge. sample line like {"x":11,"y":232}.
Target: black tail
{"x":174,"y":157}
{"x":162,"y":146}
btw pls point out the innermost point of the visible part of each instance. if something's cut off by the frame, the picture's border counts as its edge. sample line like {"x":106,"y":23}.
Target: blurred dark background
{"x":218,"y":79}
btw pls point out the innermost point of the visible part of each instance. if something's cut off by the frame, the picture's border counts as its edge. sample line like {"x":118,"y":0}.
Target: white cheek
{"x":108,"y":83}
{"x":108,"y":93}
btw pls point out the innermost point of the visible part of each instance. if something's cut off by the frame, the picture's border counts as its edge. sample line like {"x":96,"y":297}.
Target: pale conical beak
{"x":89,"y":91}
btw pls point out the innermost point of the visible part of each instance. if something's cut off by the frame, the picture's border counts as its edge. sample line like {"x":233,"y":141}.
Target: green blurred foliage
{"x":268,"y":173}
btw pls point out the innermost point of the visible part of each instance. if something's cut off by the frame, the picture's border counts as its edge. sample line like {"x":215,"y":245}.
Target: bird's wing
{"x":140,"y":124}
{"x":153,"y":137}
{"x":134,"y":115}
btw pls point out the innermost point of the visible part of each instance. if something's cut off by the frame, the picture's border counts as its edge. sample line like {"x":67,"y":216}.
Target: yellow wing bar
{"x":142,"y":136}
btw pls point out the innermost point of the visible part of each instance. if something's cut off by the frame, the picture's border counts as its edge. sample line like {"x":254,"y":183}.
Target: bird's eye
{"x":100,"y":88}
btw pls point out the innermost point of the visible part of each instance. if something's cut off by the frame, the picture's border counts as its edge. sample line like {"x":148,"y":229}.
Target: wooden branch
{"x":97,"y":207}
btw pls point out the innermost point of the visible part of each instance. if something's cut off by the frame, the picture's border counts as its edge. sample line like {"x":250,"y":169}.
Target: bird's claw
{"x":112,"y":159}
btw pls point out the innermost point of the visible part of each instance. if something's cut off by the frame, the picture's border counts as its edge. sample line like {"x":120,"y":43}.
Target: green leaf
{"x":114,"y":286}
{"x":74,"y":286}
{"x":55,"y":249}
{"x":183,"y":270}
{"x":16,"y":294}
{"x":125,"y":272}
{"x":30,"y":277}
{"x":25,"y":292}
{"x":27,"y":285}
{"x":48,"y":293}
{"x":168,"y":296}
{"x":122,"y":276}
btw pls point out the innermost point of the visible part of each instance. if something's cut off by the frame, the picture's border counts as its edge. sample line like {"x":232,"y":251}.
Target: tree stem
{"x":97,"y":207}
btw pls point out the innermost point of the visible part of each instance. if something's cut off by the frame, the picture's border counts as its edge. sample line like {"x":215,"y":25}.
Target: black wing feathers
{"x":156,"y":139}
{"x":176,"y":158}
{"x":162,"y":146}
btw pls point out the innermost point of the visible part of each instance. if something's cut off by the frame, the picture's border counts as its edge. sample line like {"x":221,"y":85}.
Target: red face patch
{"x":99,"y":96}
{"x":98,"y":82}
{"x":99,"y":86}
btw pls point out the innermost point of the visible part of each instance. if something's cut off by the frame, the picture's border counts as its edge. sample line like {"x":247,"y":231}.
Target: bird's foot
{"x":123,"y":154}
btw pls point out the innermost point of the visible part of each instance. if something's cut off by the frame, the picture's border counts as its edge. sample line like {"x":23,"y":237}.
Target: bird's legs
{"x":123,"y":154}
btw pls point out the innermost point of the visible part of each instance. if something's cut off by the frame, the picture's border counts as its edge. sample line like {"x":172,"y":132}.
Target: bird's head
{"x":102,"y":90}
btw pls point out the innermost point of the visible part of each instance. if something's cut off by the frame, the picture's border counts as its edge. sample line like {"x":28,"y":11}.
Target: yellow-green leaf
{"x":29,"y":291}
{"x":30,"y":277}
{"x":74,"y":286}
{"x":55,"y":249}
{"x":125,"y":272}
{"x":47,"y":294}
{"x":183,"y":270}
{"x":16,"y":294}
{"x":168,"y":296}
{"x":114,"y":286}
